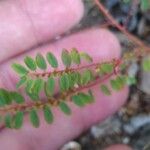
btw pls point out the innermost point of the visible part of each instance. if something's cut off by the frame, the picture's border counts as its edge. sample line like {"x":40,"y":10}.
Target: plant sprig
{"x":40,"y":87}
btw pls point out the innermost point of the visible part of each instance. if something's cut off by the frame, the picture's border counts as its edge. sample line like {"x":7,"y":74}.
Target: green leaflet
{"x":86,"y":98}
{"x":49,"y":86}
{"x":131,"y":80}
{"x":52,"y":60}
{"x":8,"y":121}
{"x":145,"y":5}
{"x":18,"y":120}
{"x":81,"y":99}
{"x":105,"y":89}
{"x":21,"y":70}
{"x":76,"y":99}
{"x":40,"y":61}
{"x":5,"y":98}
{"x":22,"y":81}
{"x":86,"y":77}
{"x":48,"y":115}
{"x":118,"y":83}
{"x":38,"y":85}
{"x":18,"y":98}
{"x":64,"y":82}
{"x":34,"y":87}
{"x":75,"y":56}
{"x":146,"y":64}
{"x":65,"y":108}
{"x":30,"y":63}
{"x":29,"y":90}
{"x":66,"y":58}
{"x":86,"y":57}
{"x":106,"y":68}
{"x":34,"y":118}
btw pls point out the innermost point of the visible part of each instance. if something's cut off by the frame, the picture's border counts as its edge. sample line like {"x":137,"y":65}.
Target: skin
{"x":28,"y":27}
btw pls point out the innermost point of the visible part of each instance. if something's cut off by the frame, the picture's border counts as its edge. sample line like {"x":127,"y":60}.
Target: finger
{"x":102,"y":45}
{"x":24,"y":24}
{"x":118,"y":147}
{"x":96,"y":45}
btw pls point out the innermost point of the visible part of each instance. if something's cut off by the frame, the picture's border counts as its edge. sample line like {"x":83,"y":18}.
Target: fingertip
{"x":118,"y":147}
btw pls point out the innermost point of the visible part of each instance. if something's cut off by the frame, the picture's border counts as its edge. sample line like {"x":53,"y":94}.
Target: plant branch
{"x":110,"y":18}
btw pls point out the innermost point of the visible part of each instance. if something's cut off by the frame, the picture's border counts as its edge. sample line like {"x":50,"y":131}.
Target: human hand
{"x":24,"y":24}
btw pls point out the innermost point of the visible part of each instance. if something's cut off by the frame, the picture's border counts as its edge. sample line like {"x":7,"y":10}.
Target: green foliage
{"x":18,"y":98}
{"x":5,"y":98}
{"x":118,"y":83}
{"x":86,"y":77}
{"x":75,"y":56}
{"x":52,"y":60}
{"x":8,"y":121}
{"x":48,"y":115}
{"x":30,"y":63}
{"x":86,"y":57}
{"x":49,"y":86}
{"x":64,"y":108}
{"x":66,"y":58}
{"x":40,"y":61}
{"x":105,"y":89}
{"x":22,"y":81}
{"x":18,"y":120}
{"x":64,"y":82}
{"x":106,"y":68}
{"x":19,"y":69}
{"x":46,"y":89}
{"x":34,"y":118}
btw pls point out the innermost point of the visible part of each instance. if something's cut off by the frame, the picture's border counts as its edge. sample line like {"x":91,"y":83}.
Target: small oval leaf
{"x":66,"y":58}
{"x":48,"y":115}
{"x":30,"y":63}
{"x":18,"y":120}
{"x":34,"y":118}
{"x":21,"y":70}
{"x":52,"y":60}
{"x":105,"y":89}
{"x":64,"y":82}
{"x":18,"y":98}
{"x":65,"y":108}
{"x":40,"y":61}
{"x":75,"y":56}
{"x":49,"y":87}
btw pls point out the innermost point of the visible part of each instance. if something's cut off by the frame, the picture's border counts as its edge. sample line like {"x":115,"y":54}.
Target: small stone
{"x":71,"y":146}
